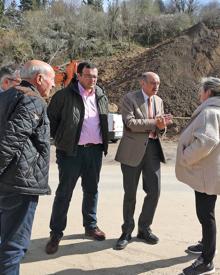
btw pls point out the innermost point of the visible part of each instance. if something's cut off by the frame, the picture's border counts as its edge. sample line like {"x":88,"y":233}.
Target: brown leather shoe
{"x":53,"y":244}
{"x":95,"y":233}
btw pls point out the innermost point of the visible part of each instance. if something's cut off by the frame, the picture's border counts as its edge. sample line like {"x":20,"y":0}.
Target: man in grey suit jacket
{"x":140,"y":151}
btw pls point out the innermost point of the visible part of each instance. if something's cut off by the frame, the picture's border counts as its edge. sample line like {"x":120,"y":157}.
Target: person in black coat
{"x":24,"y":159}
{"x":79,"y":126}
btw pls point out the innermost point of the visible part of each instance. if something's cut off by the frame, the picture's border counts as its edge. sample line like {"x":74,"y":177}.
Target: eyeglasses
{"x":14,"y":80}
{"x":89,"y":76}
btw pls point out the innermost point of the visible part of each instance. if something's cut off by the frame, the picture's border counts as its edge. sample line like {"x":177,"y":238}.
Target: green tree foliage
{"x":143,"y":7}
{"x":156,"y":29}
{"x":13,"y":16}
{"x":66,"y":30}
{"x":14,"y":47}
{"x":2,"y":7}
{"x":26,"y":5}
{"x":161,"y":6}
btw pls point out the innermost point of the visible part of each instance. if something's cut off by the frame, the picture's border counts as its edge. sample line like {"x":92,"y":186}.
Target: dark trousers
{"x":85,"y":163}
{"x":205,"y":209}
{"x":17,"y":215}
{"x":150,"y":168}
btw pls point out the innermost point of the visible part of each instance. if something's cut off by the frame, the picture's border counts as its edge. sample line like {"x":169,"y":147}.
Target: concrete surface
{"x":175,"y":224}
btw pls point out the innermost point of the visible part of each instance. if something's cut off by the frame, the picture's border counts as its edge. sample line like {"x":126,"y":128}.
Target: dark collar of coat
{"x":27,"y":88}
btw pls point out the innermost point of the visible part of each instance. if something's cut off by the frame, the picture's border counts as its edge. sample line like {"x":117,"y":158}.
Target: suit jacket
{"x":137,"y":126}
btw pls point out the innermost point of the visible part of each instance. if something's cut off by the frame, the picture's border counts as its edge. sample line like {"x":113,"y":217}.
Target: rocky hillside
{"x":180,"y":63}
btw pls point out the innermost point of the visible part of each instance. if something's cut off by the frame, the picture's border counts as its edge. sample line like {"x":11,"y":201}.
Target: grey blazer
{"x":137,"y":126}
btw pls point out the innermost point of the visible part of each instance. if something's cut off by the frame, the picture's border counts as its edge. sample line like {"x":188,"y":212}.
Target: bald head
{"x":33,"y":67}
{"x":148,"y":75}
{"x":150,"y":83}
{"x":40,"y":74}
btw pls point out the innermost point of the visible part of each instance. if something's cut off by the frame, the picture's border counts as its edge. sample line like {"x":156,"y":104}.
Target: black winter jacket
{"x":24,"y":141}
{"x":66,"y":113}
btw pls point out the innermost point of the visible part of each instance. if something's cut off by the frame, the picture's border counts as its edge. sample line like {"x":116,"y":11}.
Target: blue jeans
{"x":85,"y":163}
{"x":17,"y":214}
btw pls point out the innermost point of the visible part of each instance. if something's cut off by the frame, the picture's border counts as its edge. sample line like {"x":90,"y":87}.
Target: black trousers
{"x":205,"y":210}
{"x":85,"y":163}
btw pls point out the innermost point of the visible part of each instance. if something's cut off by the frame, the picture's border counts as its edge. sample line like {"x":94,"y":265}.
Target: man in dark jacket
{"x":9,"y":77}
{"x":78,"y":117}
{"x":24,"y":159}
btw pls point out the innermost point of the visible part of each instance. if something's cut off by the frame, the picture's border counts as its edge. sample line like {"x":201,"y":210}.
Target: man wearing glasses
{"x":9,"y":77}
{"x":79,"y":126}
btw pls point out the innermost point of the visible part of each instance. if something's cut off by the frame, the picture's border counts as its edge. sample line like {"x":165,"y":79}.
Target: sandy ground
{"x":175,"y":223}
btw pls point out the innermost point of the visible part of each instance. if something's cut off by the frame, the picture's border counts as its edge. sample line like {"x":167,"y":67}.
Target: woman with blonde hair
{"x":198,"y":165}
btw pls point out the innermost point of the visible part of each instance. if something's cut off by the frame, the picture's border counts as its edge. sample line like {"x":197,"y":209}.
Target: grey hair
{"x":144,"y":76}
{"x":212,"y":84}
{"x":9,"y":70}
{"x":30,"y":71}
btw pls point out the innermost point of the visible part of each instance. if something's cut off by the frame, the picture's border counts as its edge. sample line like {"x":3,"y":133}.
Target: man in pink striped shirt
{"x":79,"y":126}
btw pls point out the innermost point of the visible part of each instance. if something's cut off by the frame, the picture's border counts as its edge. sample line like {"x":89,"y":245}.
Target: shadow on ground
{"x":129,"y":269}
{"x":36,"y":252}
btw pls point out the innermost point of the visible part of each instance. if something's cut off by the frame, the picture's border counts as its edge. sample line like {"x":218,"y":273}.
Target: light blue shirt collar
{"x":145,"y":96}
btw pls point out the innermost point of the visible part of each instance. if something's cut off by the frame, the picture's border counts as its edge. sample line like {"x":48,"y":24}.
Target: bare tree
{"x":192,"y":6}
{"x":183,"y":6}
{"x":210,"y":14}
{"x":113,"y":15}
{"x":97,"y":4}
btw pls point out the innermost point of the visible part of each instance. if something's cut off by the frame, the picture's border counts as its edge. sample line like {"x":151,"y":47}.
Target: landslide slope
{"x":180,"y":63}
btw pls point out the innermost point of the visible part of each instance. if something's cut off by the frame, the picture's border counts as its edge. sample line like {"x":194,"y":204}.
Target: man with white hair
{"x":24,"y":159}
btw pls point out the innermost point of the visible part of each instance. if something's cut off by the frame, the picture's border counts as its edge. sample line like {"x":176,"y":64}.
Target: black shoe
{"x":199,"y":268}
{"x":196,"y":248}
{"x":148,"y":236}
{"x":122,"y":242}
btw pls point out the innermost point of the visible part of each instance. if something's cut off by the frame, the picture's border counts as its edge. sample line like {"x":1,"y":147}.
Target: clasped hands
{"x":163,"y":120}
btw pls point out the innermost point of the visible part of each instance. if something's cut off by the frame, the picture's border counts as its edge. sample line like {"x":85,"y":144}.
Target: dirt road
{"x":175,"y":223}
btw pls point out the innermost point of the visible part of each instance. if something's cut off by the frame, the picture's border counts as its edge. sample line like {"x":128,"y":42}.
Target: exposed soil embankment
{"x":180,"y":63}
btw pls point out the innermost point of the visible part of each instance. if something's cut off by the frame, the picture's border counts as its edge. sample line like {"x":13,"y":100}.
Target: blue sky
{"x":205,"y":1}
{"x":200,"y":1}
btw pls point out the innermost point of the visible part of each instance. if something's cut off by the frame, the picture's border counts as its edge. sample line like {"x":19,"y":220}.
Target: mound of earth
{"x":180,"y":63}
